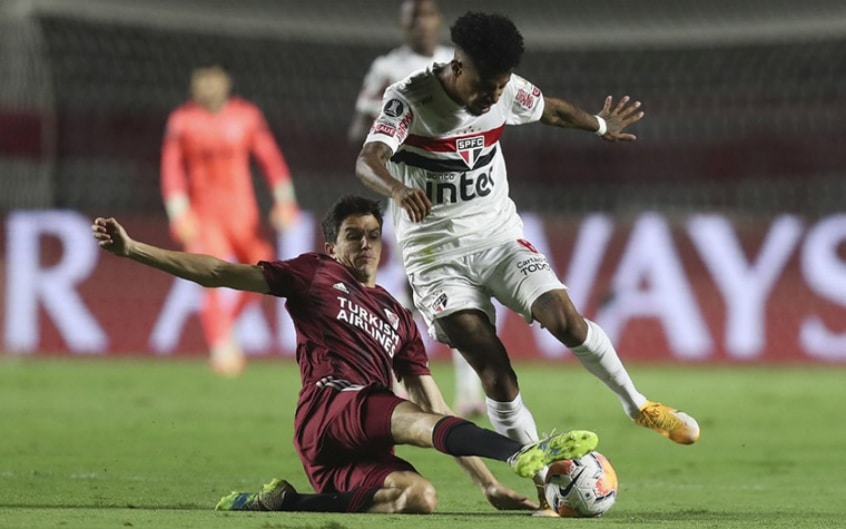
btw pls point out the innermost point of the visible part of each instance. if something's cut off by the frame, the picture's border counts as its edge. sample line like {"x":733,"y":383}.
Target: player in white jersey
{"x":434,"y":149}
{"x":421,"y":22}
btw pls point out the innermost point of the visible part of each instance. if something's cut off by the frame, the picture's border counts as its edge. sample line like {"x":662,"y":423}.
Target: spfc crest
{"x":470,"y":149}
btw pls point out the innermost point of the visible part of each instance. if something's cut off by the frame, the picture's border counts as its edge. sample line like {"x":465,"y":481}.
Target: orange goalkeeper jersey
{"x":206,"y":156}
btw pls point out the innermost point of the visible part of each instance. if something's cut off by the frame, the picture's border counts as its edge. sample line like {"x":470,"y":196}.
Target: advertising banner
{"x":687,"y":288}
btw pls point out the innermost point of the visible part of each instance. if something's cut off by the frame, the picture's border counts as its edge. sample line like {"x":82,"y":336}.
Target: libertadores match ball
{"x":581,"y":488}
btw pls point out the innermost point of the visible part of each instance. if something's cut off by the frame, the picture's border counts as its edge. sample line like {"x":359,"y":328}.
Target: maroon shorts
{"x":344,"y":438}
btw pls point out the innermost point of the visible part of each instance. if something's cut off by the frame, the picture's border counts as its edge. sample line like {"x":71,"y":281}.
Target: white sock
{"x":468,"y":387}
{"x":598,"y":356}
{"x":513,"y":420}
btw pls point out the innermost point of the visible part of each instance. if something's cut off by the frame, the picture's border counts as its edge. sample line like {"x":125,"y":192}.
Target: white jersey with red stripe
{"x":456,"y":158}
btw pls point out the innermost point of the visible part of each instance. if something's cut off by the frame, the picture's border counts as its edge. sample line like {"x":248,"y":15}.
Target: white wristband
{"x":284,"y":192}
{"x":176,"y":205}
{"x":603,"y":127}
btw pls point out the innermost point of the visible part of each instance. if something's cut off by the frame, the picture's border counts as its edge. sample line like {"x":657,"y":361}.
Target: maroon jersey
{"x":349,"y":336}
{"x":347,"y":333}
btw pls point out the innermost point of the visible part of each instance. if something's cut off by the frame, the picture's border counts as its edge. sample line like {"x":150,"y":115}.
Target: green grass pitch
{"x":154,"y":444}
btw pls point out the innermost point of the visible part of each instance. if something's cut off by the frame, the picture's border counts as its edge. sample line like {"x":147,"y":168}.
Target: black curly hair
{"x":346,"y":206}
{"x":491,"y":41}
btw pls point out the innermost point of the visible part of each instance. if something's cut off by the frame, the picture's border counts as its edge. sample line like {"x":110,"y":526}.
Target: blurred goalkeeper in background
{"x":420,"y":21}
{"x":209,"y":197}
{"x":351,"y":334}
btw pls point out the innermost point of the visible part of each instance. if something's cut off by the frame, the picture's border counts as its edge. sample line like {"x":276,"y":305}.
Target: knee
{"x":564,"y":327}
{"x":466,"y":328}
{"x":560,"y":318}
{"x":494,"y":375}
{"x":420,"y":498}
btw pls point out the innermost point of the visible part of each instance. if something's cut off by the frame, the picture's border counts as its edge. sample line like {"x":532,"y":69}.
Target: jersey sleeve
{"x":292,"y":277}
{"x":527,"y":101}
{"x":264,"y":148}
{"x":369,"y":100}
{"x":394,"y":120}
{"x":412,"y":358}
{"x":173,"y":178}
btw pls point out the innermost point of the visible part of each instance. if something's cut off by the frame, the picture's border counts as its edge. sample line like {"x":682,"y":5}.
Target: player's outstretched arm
{"x":423,"y":391}
{"x":206,"y":270}
{"x":501,"y":497}
{"x":615,"y":118}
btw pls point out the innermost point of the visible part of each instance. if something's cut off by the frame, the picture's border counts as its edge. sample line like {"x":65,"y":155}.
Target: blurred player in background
{"x":351,"y":334}
{"x":209,"y":197}
{"x":435,"y":151}
{"x":421,"y":22}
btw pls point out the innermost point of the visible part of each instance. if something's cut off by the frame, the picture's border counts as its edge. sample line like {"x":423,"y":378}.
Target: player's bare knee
{"x":418,"y":497}
{"x":467,"y":329}
{"x":423,"y":498}
{"x":409,"y":493}
{"x":496,"y":378}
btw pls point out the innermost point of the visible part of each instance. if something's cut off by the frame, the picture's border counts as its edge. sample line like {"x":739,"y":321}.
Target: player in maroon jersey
{"x":350,"y":334}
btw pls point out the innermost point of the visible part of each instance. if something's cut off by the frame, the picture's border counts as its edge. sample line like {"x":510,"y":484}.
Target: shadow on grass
{"x":706,"y":515}
{"x":194,"y":507}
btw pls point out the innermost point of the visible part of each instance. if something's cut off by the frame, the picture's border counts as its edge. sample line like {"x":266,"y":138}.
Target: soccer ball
{"x":581,"y":488}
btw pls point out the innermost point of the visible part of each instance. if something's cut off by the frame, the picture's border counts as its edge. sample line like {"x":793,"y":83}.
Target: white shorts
{"x":513,"y":273}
